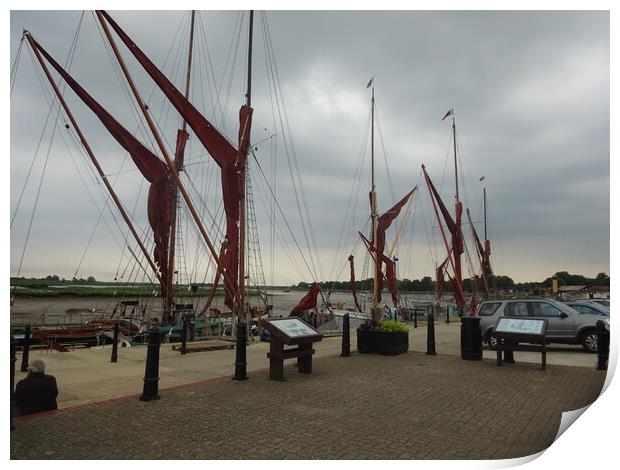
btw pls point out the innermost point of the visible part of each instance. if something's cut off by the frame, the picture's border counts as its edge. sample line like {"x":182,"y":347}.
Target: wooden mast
{"x":484,"y":199}
{"x":175,"y":191}
{"x":91,"y":154}
{"x":242,"y":311}
{"x":373,"y":204}
{"x":458,"y":209}
{"x":169,"y":162}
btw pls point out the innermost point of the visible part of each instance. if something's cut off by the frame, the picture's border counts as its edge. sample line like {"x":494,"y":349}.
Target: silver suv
{"x":564,"y":324}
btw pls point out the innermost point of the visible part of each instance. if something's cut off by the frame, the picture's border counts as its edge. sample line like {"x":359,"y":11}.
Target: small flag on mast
{"x":449,"y":113}
{"x":481,"y":178}
{"x":370,"y":82}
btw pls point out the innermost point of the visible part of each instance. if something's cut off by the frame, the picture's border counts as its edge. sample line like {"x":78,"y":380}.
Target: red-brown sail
{"x":484,"y":254}
{"x":384,"y":222}
{"x":308,"y":301}
{"x":456,"y":249}
{"x":222,"y":151}
{"x":390,"y":270}
{"x":152,"y":168}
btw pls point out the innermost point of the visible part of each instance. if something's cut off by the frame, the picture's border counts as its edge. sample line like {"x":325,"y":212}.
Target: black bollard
{"x":184,"y":336}
{"x":26,"y":350}
{"x":415,"y":317}
{"x":471,"y":338}
{"x":151,"y":374}
{"x":114,"y":357}
{"x":13,"y":359}
{"x":430,"y":335}
{"x":346,"y":336}
{"x":241,"y":363}
{"x":447,"y":315}
{"x":192,"y":331}
{"x":602,"y":345}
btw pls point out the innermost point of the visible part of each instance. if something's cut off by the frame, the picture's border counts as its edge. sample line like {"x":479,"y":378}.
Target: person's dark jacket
{"x":36,"y":393}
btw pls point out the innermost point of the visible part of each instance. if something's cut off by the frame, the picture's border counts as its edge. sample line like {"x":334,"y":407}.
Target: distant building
{"x":583,"y":292}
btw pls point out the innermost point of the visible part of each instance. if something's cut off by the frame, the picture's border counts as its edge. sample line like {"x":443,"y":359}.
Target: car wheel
{"x":492,"y":341}
{"x":589,"y":341}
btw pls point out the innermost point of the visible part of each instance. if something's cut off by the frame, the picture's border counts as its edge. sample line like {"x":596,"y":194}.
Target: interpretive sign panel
{"x":290,"y":331}
{"x":294,"y":327}
{"x":510,"y":332}
{"x":525,"y":326}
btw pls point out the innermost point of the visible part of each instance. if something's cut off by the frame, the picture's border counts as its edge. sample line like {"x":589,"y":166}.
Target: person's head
{"x":36,"y":366}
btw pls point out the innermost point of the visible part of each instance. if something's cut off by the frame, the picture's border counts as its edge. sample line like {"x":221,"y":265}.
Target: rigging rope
{"x":68,"y":64}
{"x":293,"y":162}
{"x":15,"y":65}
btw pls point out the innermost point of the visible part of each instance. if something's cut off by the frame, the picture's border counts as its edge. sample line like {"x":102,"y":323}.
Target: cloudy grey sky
{"x":531,"y":97}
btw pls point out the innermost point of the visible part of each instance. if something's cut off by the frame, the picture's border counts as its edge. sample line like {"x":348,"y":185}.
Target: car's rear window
{"x":488,"y":308}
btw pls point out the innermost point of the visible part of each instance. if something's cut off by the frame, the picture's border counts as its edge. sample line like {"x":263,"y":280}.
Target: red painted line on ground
{"x":133,"y":396}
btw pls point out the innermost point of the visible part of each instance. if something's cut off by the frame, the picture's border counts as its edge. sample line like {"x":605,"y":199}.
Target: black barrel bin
{"x":471,"y":339}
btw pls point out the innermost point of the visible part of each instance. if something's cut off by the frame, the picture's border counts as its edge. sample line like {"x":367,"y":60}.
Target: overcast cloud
{"x":530,"y":92}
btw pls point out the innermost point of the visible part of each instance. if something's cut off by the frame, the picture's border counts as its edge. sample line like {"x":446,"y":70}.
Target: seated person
{"x":37,"y":392}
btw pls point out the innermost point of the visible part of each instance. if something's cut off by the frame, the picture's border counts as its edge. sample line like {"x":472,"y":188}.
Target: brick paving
{"x":411,"y":406}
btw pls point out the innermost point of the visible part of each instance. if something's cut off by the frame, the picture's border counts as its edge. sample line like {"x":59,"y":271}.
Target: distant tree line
{"x":501,"y":283}
{"x":51,"y":280}
{"x":425,"y":284}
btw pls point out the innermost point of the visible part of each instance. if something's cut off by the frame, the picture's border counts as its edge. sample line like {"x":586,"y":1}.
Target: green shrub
{"x":391,"y":325}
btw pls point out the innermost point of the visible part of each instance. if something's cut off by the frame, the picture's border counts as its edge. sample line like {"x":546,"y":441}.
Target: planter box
{"x":382,"y":342}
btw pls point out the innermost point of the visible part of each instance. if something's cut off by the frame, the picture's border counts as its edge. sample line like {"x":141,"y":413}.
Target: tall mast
{"x":373,"y":196}
{"x":456,"y":174}
{"x":484,"y":198}
{"x":175,"y":190}
{"x":458,"y":209}
{"x":242,"y":203}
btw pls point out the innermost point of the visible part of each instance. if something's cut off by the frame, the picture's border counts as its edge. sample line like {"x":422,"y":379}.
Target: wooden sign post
{"x":292,"y":332}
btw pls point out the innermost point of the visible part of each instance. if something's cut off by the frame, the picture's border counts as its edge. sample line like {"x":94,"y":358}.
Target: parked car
{"x":564,"y":324}
{"x":588,"y":306}
{"x":603,"y":302}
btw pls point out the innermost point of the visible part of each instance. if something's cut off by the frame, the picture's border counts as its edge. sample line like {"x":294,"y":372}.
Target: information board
{"x":294,"y":328}
{"x":524,"y":326}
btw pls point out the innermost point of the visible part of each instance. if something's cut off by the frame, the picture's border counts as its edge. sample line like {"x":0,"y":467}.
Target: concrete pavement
{"x":411,"y":406}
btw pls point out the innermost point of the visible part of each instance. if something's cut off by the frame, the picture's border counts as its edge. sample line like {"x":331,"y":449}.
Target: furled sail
{"x":152,"y":168}
{"x":390,"y":269}
{"x":353,"y":290}
{"x":484,"y":255}
{"x":230,"y":160}
{"x":384,"y":222}
{"x":454,"y":226}
{"x":308,"y":301}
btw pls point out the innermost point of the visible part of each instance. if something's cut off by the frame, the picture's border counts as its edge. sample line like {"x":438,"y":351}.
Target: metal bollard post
{"x":151,"y":374}
{"x":447,"y":314}
{"x":415,"y":317}
{"x":13,"y":359}
{"x":114,"y":357}
{"x":184,"y":337}
{"x":240,"y":357}
{"x":346,"y":336}
{"x":26,"y":350}
{"x":602,"y":345}
{"x":430,"y":335}
{"x":192,"y":331}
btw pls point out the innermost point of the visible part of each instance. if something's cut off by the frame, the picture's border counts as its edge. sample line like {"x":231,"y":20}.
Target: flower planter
{"x":382,"y":342}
